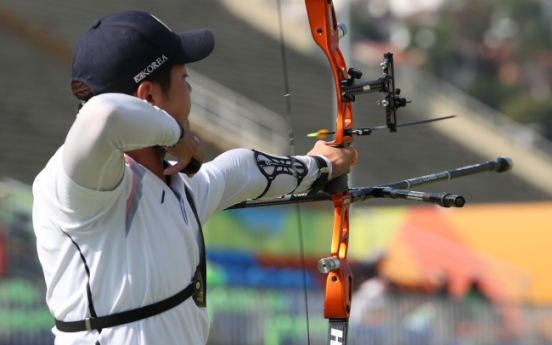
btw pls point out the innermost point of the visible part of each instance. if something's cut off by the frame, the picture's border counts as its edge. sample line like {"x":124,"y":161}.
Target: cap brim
{"x":196,"y":45}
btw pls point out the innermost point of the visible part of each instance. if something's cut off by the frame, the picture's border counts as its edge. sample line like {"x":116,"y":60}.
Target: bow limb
{"x":325,"y":32}
{"x":339,"y":282}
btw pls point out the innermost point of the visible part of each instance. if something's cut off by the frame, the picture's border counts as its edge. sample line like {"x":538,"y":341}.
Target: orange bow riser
{"x":339,"y":284}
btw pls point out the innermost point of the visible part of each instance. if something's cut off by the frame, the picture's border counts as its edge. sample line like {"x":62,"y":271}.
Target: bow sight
{"x":386,"y":84}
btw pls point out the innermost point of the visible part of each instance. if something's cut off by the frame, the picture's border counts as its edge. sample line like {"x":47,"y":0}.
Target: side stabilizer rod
{"x":500,"y":164}
{"x":441,"y":199}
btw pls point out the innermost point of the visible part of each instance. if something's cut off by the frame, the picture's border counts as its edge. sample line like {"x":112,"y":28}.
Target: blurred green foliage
{"x":500,"y":52}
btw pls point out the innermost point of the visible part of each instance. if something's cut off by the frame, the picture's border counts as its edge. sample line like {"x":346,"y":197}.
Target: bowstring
{"x":287,"y":96}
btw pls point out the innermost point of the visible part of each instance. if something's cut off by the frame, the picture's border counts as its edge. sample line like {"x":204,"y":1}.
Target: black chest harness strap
{"x":197,"y":289}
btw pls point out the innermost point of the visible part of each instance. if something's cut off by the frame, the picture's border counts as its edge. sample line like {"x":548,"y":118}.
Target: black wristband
{"x":323,"y":175}
{"x":181,"y":135}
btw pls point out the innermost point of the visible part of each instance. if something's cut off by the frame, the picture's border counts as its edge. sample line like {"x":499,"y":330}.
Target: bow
{"x":326,"y":32}
{"x":339,"y":282}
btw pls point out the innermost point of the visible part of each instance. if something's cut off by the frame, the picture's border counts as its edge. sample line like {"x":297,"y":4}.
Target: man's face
{"x":177,"y":101}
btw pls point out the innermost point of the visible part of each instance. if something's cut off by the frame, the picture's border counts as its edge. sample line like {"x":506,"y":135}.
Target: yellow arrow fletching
{"x":321,"y":134}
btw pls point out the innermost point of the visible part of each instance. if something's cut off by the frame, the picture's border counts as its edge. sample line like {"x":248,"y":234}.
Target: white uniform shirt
{"x":138,"y":238}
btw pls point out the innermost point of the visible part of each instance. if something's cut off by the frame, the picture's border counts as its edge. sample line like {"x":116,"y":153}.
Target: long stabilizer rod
{"x":396,"y":190}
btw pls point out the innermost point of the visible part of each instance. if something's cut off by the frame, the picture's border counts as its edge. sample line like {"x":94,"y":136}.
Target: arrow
{"x":321,"y":134}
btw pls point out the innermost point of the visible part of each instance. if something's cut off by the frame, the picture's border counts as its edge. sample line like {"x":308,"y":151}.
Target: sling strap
{"x":128,"y":316}
{"x":196,"y":289}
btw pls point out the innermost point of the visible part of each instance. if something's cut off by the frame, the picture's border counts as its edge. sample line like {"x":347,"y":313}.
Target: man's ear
{"x":147,"y":91}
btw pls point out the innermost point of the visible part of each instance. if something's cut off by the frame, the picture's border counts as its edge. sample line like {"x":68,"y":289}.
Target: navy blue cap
{"x":123,"y":49}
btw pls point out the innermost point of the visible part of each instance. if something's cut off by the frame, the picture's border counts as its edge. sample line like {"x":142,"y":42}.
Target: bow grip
{"x":339,"y":184}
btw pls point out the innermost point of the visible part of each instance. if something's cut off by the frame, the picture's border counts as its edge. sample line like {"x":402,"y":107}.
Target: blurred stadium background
{"x":424,"y":275}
